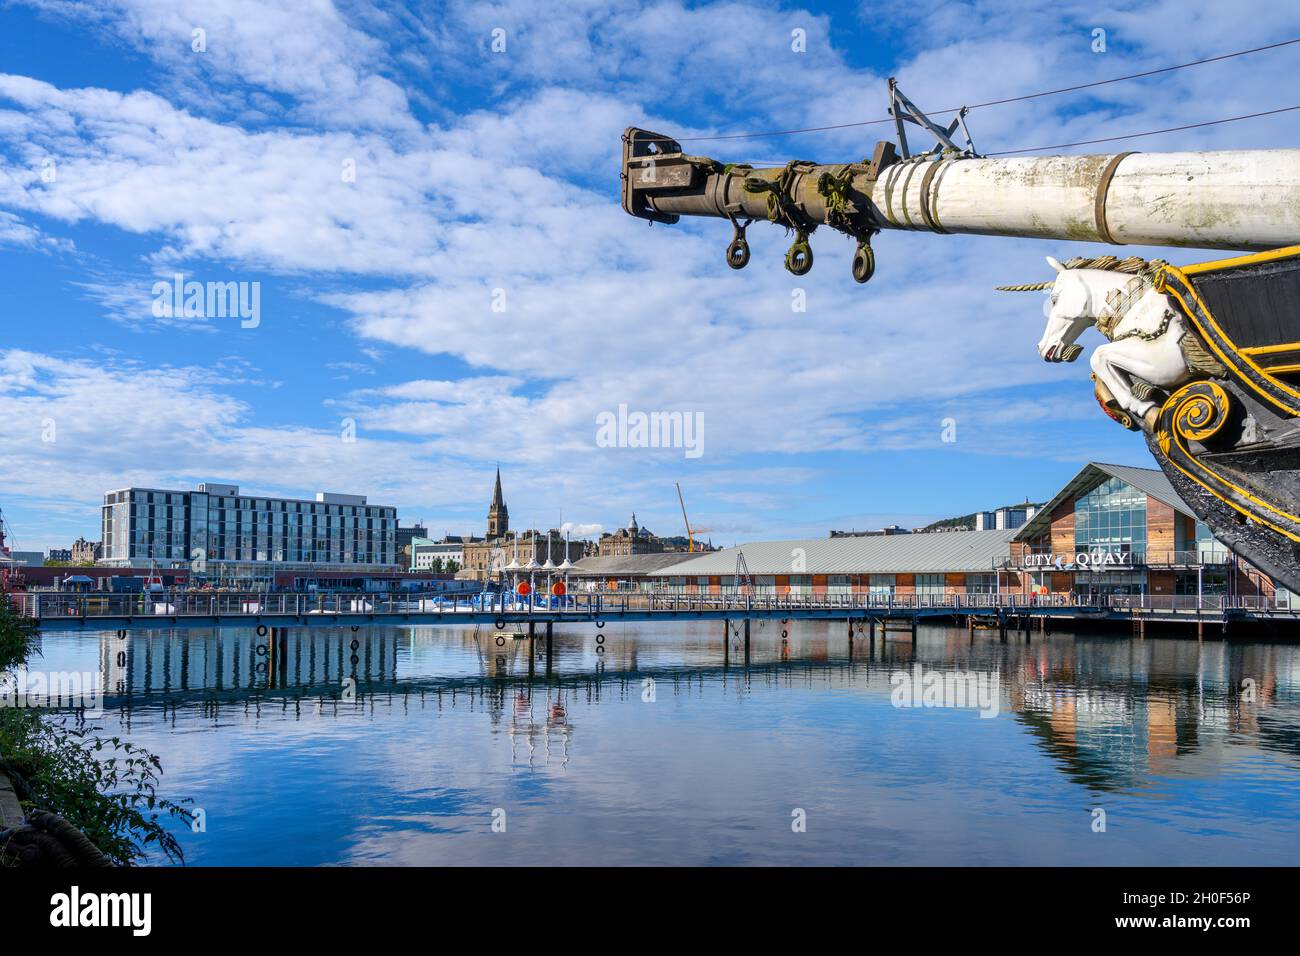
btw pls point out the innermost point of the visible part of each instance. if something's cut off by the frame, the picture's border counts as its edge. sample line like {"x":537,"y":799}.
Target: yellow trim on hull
{"x":1272,"y":255}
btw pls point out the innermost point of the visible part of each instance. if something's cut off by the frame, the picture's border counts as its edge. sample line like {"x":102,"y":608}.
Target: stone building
{"x":85,"y":552}
{"x":629,"y":541}
{"x":511,"y":553}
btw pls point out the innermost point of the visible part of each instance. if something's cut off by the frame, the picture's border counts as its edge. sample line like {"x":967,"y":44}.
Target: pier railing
{"x":45,"y":605}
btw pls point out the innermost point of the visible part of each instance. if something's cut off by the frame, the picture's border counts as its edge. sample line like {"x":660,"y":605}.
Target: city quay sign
{"x":1081,"y":561}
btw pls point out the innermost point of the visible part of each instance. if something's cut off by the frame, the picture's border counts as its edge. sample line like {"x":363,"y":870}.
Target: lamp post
{"x":549,"y":568}
{"x":532,"y":567}
{"x":513,"y":568}
{"x":564,"y":568}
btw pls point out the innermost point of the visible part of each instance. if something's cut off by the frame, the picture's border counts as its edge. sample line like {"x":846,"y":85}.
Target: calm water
{"x":449,"y":727}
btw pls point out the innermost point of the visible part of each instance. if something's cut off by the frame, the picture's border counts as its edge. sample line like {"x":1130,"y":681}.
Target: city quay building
{"x":1112,"y":530}
{"x":1115,"y":529}
{"x":218,"y":533}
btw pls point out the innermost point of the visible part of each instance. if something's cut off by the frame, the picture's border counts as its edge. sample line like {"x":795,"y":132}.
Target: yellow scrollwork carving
{"x":1198,"y":410}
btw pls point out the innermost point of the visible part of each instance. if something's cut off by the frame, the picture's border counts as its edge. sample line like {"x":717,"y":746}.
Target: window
{"x":1111,"y":517}
{"x":882,"y":585}
{"x":981,"y":584}
{"x":1209,"y":548}
{"x":1211,"y":582}
{"x":1110,"y":582}
{"x":930,"y":585}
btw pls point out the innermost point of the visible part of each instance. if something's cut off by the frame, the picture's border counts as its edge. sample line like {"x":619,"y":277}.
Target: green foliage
{"x":967,"y":521}
{"x":17,"y":636}
{"x":105,"y":787}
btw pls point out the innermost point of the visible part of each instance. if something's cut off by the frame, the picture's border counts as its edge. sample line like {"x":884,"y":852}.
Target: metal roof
{"x":934,"y":552}
{"x":631,"y":565}
{"x":1149,"y":481}
{"x":1153,"y":481}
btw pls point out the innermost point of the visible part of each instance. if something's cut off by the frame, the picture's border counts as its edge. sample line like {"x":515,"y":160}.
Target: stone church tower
{"x":498,"y":515}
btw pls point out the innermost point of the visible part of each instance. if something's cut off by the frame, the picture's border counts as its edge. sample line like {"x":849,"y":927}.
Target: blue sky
{"x":478,"y":171}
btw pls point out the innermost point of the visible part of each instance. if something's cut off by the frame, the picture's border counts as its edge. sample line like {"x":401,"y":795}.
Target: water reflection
{"x":1196,"y":746}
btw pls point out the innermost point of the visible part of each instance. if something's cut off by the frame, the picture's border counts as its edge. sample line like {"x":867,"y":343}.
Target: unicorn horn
{"x":1032,"y":287}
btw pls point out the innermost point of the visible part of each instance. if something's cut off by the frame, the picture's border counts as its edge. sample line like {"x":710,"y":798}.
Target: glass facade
{"x":202,"y":529}
{"x":1111,"y":517}
{"x":1207,"y":547}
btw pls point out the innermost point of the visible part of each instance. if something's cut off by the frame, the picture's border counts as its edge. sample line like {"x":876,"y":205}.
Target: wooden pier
{"x":57,"y":611}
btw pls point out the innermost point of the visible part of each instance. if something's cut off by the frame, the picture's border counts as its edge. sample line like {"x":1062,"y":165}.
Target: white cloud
{"x":242,"y":166}
{"x":305,"y":50}
{"x":15,"y":232}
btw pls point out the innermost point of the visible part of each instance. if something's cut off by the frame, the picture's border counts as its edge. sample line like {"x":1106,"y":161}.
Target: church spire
{"x":497,"y":501}
{"x":498,"y":515}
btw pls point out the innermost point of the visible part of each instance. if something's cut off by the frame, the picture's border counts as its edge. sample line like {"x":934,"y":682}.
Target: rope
{"x":1012,"y":99}
{"x":45,"y":838}
{"x":834,"y":189}
{"x":780,"y":207}
{"x":1153,"y":132}
{"x":49,"y":840}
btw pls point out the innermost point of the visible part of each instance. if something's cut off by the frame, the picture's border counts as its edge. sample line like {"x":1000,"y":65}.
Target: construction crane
{"x":690,"y":532}
{"x":9,"y":573}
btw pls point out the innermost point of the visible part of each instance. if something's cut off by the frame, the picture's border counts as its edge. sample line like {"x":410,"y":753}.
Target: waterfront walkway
{"x":166,"y":610}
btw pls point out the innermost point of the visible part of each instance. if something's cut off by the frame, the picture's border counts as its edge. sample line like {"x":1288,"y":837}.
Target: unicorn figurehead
{"x":1143,"y":354}
{"x":1075,"y":298}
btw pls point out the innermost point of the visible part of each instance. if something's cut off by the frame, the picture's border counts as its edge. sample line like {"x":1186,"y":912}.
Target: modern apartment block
{"x":1005,"y":518}
{"x":218,"y":532}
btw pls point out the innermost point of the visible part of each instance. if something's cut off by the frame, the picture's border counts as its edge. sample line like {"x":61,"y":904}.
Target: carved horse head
{"x":1077,"y":297}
